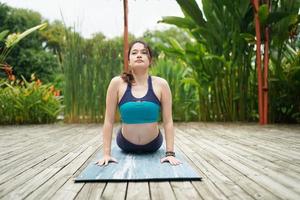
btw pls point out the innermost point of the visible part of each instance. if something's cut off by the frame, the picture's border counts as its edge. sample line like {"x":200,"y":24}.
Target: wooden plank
{"x":13,"y":129}
{"x":73,"y":190}
{"x":227,"y":186}
{"x":138,"y":190}
{"x":248,"y":185}
{"x":262,"y":176}
{"x":22,"y":166}
{"x":265,"y":159}
{"x":22,"y":135}
{"x":90,"y":191}
{"x":26,"y":178}
{"x":68,"y":191}
{"x":26,"y":139}
{"x":251,"y":152}
{"x":115,"y":191}
{"x":185,"y":190}
{"x":161,"y":191}
{"x":255,"y":137}
{"x":48,"y":187}
{"x":50,"y":150}
{"x":207,"y":188}
{"x":278,"y":178}
{"x":242,"y":139}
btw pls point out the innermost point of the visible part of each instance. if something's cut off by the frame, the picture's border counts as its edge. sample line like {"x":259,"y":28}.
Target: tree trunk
{"x":266,"y":69}
{"x":255,"y":4}
{"x":125,"y":35}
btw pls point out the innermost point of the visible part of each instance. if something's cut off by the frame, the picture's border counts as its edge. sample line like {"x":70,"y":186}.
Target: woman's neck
{"x":141,"y":79}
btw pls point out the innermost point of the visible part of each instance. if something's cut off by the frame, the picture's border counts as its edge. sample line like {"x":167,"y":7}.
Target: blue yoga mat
{"x":137,"y":167}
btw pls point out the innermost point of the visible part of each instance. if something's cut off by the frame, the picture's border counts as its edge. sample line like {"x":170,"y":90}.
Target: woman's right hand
{"x":105,"y":160}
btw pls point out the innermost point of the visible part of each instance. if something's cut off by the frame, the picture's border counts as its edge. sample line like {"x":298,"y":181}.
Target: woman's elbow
{"x":168,"y":124}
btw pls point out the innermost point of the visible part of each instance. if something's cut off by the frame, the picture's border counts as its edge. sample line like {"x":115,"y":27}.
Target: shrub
{"x":23,"y":102}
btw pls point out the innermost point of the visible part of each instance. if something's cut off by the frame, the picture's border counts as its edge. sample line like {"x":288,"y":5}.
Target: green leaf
{"x":3,"y":34}
{"x":176,"y":45}
{"x":283,"y":26}
{"x":178,"y":21}
{"x":263,"y":13}
{"x":248,"y":37}
{"x":190,"y":8}
{"x":14,"y":38}
{"x":274,"y":17}
{"x":190,"y":81}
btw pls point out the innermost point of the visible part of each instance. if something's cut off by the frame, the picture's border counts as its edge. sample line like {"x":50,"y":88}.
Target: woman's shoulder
{"x":159,"y":80}
{"x":116,"y":81}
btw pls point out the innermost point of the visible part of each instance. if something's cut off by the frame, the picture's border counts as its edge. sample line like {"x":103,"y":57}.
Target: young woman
{"x":140,"y":98}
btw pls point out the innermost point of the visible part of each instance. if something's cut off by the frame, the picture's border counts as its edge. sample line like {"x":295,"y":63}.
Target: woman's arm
{"x":166,"y":103}
{"x":111,"y":105}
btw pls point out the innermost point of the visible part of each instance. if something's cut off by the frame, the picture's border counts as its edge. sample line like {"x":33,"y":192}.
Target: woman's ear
{"x":129,"y":63}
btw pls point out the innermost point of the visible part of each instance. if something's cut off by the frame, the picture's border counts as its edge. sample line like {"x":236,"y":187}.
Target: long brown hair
{"x":128,"y":76}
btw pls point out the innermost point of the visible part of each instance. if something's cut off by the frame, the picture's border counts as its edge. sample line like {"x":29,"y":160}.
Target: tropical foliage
{"x":183,"y":94}
{"x":221,"y":56}
{"x":88,"y":67}
{"x":20,"y":101}
{"x":31,"y":55}
{"x":25,"y":102}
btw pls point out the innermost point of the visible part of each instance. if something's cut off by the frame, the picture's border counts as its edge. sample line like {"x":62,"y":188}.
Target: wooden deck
{"x":236,"y":161}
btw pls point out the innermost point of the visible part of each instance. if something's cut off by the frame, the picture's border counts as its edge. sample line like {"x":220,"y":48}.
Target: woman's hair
{"x":127,"y":76}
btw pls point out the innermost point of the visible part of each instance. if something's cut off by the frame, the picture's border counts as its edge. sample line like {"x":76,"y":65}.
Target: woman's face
{"x":139,"y":57}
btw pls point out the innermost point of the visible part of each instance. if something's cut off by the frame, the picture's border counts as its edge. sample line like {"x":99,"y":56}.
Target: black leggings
{"x":127,"y":146}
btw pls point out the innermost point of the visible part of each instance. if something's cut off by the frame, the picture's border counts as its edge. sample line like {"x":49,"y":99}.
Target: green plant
{"x":222,"y":54}
{"x":13,"y":39}
{"x":23,"y":102}
{"x":184,"y":93}
{"x":89,"y":65}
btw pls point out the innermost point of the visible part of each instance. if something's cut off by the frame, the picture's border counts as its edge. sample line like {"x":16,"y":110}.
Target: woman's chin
{"x":141,"y":67}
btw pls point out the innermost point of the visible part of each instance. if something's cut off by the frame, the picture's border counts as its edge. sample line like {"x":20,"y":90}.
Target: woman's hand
{"x":171,"y":159}
{"x":105,"y":160}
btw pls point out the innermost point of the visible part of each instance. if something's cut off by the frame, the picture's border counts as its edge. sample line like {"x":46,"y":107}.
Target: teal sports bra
{"x":140,"y":110}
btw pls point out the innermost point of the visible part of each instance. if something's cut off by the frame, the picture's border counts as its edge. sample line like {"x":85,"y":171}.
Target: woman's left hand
{"x":171,"y":159}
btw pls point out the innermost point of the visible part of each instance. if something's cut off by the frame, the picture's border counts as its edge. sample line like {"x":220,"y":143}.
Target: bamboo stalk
{"x":125,"y":35}
{"x":266,"y":69}
{"x":255,"y":4}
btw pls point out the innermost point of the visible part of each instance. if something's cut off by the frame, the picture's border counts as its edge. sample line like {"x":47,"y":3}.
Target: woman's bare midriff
{"x":140,"y":133}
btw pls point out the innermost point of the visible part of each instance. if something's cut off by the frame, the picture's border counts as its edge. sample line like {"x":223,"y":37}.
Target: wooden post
{"x":255,"y":4}
{"x":125,"y":59}
{"x":266,"y":69}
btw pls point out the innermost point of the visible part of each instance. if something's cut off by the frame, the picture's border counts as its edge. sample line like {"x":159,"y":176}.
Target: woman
{"x":140,"y":98}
